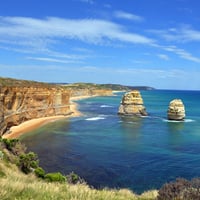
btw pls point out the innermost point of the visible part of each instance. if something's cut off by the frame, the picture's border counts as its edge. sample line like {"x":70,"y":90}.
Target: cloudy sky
{"x":131,"y":42}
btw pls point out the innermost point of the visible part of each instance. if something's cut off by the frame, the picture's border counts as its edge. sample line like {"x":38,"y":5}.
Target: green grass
{"x":10,"y":82}
{"x":16,"y":185}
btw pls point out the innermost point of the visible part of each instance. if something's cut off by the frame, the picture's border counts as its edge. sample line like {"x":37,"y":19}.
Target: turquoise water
{"x":123,"y":152}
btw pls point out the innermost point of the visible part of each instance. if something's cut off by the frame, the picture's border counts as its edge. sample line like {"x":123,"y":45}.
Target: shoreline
{"x":76,"y":98}
{"x":27,"y":126}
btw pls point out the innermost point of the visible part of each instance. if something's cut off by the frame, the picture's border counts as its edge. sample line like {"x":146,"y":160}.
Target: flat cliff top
{"x":10,"y":82}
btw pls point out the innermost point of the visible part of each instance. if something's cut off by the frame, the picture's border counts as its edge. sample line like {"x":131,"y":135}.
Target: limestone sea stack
{"x":176,"y":110}
{"x":132,"y":104}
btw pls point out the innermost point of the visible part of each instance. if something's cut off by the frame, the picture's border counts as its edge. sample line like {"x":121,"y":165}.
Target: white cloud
{"x":53,"y":60}
{"x":39,"y":35}
{"x":126,"y":15}
{"x":156,"y":73}
{"x":93,"y":31}
{"x":182,"y":53}
{"x":181,"y":34}
{"x":163,"y":56}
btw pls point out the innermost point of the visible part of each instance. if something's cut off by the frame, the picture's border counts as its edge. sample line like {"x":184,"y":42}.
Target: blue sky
{"x":131,"y":42}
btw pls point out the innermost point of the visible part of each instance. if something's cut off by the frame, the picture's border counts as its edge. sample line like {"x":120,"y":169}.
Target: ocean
{"x":112,"y":151}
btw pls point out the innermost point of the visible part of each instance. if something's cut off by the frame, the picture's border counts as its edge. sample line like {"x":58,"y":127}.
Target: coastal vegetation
{"x":22,"y":178}
{"x":11,"y":82}
{"x":27,"y":83}
{"x":116,"y":87}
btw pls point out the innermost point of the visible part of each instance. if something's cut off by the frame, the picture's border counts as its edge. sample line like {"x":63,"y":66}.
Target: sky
{"x":131,"y":42}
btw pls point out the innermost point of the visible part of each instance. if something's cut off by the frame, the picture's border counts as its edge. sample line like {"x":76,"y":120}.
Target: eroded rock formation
{"x":19,"y":104}
{"x":176,"y":110}
{"x":132,"y":104}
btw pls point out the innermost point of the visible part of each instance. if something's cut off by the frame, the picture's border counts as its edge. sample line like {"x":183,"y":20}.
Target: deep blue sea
{"x":123,"y":152}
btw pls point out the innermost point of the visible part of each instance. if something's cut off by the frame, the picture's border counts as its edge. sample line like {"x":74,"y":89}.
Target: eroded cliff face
{"x":19,"y":104}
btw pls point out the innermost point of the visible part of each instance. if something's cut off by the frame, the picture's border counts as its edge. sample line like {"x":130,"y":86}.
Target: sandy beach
{"x":81,"y":97}
{"x":17,"y":131}
{"x":23,"y":128}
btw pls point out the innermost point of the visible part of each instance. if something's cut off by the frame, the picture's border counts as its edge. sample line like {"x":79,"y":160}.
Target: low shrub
{"x":28,"y":162}
{"x":13,"y":145}
{"x":73,"y":178}
{"x":181,"y":189}
{"x":55,"y":177}
{"x":39,"y":172}
{"x":9,"y":143}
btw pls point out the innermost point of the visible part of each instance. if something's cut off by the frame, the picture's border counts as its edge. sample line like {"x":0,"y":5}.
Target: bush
{"x":181,"y":189}
{"x":14,"y":146}
{"x":73,"y":178}
{"x":55,"y":177}
{"x":28,"y":162}
{"x":39,"y":172}
{"x":18,"y":149}
{"x":10,"y":143}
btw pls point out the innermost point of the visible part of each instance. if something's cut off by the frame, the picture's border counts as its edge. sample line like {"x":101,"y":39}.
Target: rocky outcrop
{"x":19,"y":104}
{"x":176,"y":110}
{"x":132,"y":104}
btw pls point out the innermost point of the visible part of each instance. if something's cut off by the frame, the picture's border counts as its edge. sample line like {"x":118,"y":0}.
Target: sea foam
{"x":174,"y":121}
{"x":106,"y":106}
{"x":95,"y":118}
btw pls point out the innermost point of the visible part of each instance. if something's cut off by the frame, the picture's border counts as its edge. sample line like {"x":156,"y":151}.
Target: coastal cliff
{"x":19,"y":104}
{"x":21,"y":101}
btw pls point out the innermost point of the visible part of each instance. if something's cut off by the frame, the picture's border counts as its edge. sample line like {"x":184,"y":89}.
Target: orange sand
{"x":30,"y":125}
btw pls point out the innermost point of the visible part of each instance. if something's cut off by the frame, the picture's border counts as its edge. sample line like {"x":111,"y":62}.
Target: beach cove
{"x":30,"y":125}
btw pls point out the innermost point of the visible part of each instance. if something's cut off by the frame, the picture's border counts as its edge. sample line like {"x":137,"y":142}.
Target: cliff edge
{"x":22,"y":100}
{"x":19,"y":104}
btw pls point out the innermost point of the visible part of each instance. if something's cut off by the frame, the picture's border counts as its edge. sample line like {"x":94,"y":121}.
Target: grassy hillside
{"x":21,"y":178}
{"x":27,"y":83}
{"x":21,"y":83}
{"x":106,"y":86}
{"x":14,"y":184}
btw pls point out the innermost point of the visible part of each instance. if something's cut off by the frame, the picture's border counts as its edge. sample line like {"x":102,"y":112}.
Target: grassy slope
{"x":22,"y":83}
{"x":16,"y":185}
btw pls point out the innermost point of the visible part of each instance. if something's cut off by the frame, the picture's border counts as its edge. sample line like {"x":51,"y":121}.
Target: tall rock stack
{"x":132,"y":104}
{"x":176,"y":110}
